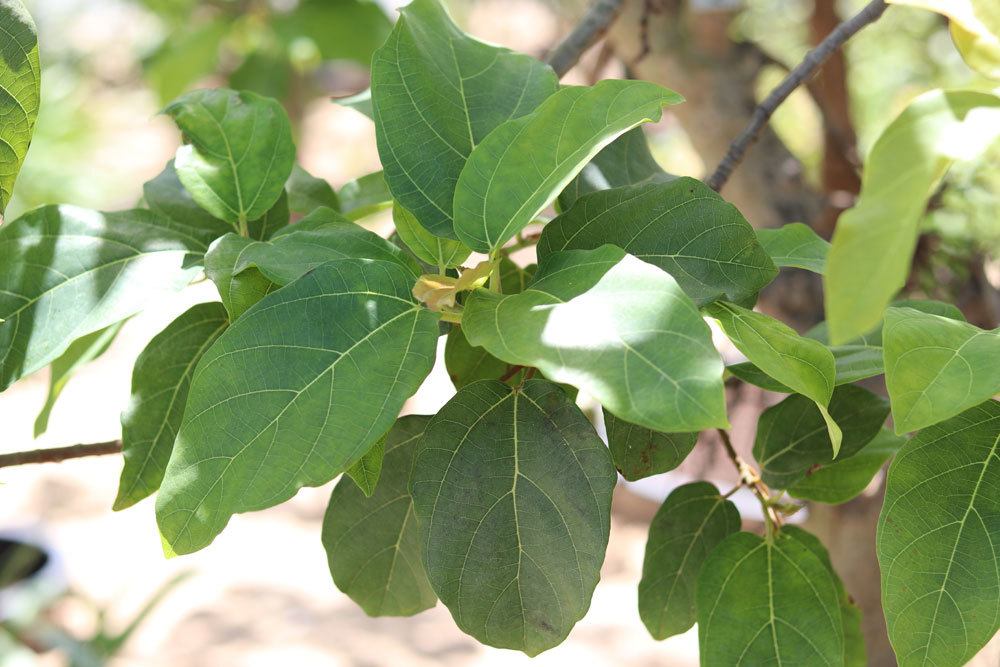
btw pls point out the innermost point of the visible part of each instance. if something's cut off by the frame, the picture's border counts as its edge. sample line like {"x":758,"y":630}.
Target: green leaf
{"x":66,"y":272}
{"x":240,"y":152}
{"x":873,"y":245}
{"x":683,"y":227}
{"x":640,"y":452}
{"x":873,"y":338}
{"x":364,"y":196}
{"x":938,"y":538}
{"x":694,"y":519}
{"x":975,"y":29}
{"x":795,"y":245}
{"x":80,"y":353}
{"x":854,"y":640}
{"x":936,"y":367}
{"x":160,"y":383}
{"x":515,"y":278}
{"x":437,"y":93}
{"x":372,"y":544}
{"x":845,"y":478}
{"x":20,"y":91}
{"x":273,"y":406}
{"x":768,"y":601}
{"x":368,"y":469}
{"x":467,"y":363}
{"x":307,"y":193}
{"x":238,"y":290}
{"x":792,"y":436}
{"x":321,"y":236}
{"x":802,"y":364}
{"x":609,"y":324}
{"x":522,"y":166}
{"x":512,"y":490}
{"x":435,"y":250}
{"x":625,"y":161}
{"x":166,"y":195}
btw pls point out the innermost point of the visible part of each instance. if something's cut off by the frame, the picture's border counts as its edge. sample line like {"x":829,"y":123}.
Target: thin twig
{"x":802,"y":72}
{"x":750,"y":478}
{"x":56,"y":454}
{"x":586,"y":33}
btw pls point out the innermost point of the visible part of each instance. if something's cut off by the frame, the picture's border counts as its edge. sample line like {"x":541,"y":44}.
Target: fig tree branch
{"x":586,"y":33}
{"x":799,"y":75}
{"x":56,"y":454}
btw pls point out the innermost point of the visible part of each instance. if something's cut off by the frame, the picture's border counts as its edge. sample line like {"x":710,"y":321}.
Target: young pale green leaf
{"x":364,"y":196}
{"x":975,"y":29}
{"x":845,"y":478}
{"x":801,"y":364}
{"x":66,"y":272}
{"x":854,"y":641}
{"x":512,"y":489}
{"x":625,"y":161}
{"x":683,"y":227}
{"x":522,"y":166}
{"x":768,"y":601}
{"x":368,"y":469}
{"x":795,"y":245}
{"x":20,"y":81}
{"x":293,"y":393}
{"x":435,"y":250}
{"x":160,"y":383}
{"x":640,"y":452}
{"x":936,"y":367}
{"x":610,"y":325}
{"x":80,"y":353}
{"x":792,"y":435}
{"x":306,"y":193}
{"x":873,"y":245}
{"x":694,"y":519}
{"x":436,"y":93}
{"x":938,"y":539}
{"x":240,"y":152}
{"x":372,"y":543}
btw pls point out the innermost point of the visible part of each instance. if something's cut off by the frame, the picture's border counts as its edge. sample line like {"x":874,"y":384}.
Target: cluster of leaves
{"x":499,"y":505}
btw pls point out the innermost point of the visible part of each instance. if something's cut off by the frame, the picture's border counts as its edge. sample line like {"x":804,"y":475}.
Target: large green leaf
{"x":936,"y":367}
{"x":873,"y":245}
{"x":66,"y":272}
{"x":801,"y":364}
{"x":467,"y":363}
{"x":851,"y":363}
{"x":20,"y":91}
{"x":610,"y":325}
{"x":241,"y":290}
{"x":792,"y":435}
{"x":436,"y":93}
{"x":294,"y":392}
{"x":80,"y":353}
{"x":683,"y":227}
{"x":240,"y":152}
{"x":160,"y":383}
{"x":640,"y":452}
{"x":975,"y":29}
{"x":854,"y":640}
{"x":768,"y":601}
{"x":795,"y":245}
{"x":512,"y":489}
{"x":522,"y":166}
{"x":694,"y":519}
{"x":437,"y":251}
{"x":845,"y":478}
{"x":625,"y":161}
{"x":165,"y":194}
{"x":372,"y":544}
{"x":364,"y":196}
{"x":938,"y":539}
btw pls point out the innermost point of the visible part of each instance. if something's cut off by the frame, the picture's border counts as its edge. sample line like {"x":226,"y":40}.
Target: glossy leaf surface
{"x":20,"y":92}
